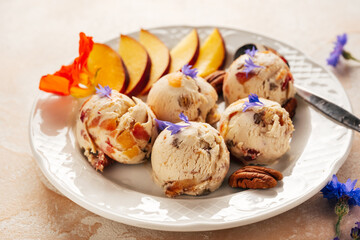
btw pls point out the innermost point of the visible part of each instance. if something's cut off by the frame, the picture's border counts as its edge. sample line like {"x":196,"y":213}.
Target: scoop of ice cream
{"x":193,"y":161}
{"x":175,"y":93}
{"x":260,"y":135}
{"x":274,"y":81}
{"x":118,"y":128}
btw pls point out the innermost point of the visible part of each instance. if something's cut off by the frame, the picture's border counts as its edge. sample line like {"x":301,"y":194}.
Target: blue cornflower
{"x":253,"y":102}
{"x":345,"y":193}
{"x":186,"y":69}
{"x":355,"y":232}
{"x":251,"y":52}
{"x":174,"y":128}
{"x":338,"y":49}
{"x":103,"y":91}
{"x":249,"y":66}
{"x":336,"y":190}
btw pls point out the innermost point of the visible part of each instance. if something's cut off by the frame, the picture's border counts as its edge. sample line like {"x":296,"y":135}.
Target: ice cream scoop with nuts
{"x":256,"y":130}
{"x":189,"y":158}
{"x":184,"y":92}
{"x":112,"y":126}
{"x":261,"y":72}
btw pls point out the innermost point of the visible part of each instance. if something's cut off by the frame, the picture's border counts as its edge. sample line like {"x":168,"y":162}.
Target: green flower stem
{"x":337,"y":226}
{"x":341,"y":209}
{"x":348,"y":56}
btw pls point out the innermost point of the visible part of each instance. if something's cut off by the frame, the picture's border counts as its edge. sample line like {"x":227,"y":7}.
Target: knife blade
{"x":331,"y":110}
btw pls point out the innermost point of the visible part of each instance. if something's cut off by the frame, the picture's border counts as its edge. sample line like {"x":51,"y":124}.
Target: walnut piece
{"x":255,"y":177}
{"x":258,"y":117}
{"x":250,"y":154}
{"x":216,"y":79}
{"x":99,"y":160}
{"x":184,"y":102}
{"x":290,"y":106}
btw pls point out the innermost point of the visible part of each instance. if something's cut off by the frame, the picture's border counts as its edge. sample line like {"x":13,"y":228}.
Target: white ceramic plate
{"x":126,"y":193}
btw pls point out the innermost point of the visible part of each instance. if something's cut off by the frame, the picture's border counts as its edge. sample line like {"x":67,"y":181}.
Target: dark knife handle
{"x":331,"y":110}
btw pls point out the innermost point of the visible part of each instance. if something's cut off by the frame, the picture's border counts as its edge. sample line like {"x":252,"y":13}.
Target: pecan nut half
{"x":216,"y":79}
{"x":255,"y":177}
{"x":290,"y":106}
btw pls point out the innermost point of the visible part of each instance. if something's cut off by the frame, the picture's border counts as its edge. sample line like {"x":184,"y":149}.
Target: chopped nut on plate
{"x":216,"y":80}
{"x":255,"y":177}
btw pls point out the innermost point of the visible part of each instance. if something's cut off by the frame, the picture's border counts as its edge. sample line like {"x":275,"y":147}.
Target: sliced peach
{"x":241,"y":77}
{"x":137,"y":62}
{"x":126,"y":139}
{"x":174,"y":80}
{"x":108,"y":124}
{"x":185,"y":52}
{"x":139,"y":132}
{"x":95,"y":122}
{"x":159,"y":55}
{"x":212,"y":54}
{"x":132,"y":152}
{"x":107,"y":67}
{"x":223,"y":128}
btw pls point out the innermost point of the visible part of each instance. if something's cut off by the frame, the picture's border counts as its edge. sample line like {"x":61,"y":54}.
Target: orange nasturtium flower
{"x":74,"y":79}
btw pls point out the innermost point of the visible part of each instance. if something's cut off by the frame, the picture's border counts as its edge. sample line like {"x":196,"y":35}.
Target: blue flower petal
{"x":350,"y":185}
{"x":249,"y":66}
{"x":174,"y":128}
{"x":162,"y":124}
{"x":355,"y":231}
{"x":342,"y":39}
{"x":253,"y":98}
{"x":333,"y":59}
{"x":253,"y":102}
{"x":186,"y":70}
{"x":184,"y":118}
{"x":337,"y":51}
{"x":335,"y":190}
{"x":251,"y":52}
{"x":103,"y":91}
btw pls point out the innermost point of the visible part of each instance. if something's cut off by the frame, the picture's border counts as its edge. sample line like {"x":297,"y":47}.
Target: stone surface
{"x":38,"y":37}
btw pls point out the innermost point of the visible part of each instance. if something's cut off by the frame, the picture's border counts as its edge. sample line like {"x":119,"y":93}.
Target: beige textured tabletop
{"x":38,"y":36}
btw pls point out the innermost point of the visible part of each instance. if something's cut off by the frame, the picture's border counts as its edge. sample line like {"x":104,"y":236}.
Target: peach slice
{"x":126,"y":139}
{"x":137,"y":62}
{"x":107,"y":67}
{"x":185,"y":52}
{"x":159,"y":55}
{"x":212,"y":54}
